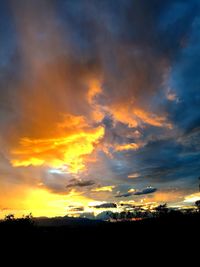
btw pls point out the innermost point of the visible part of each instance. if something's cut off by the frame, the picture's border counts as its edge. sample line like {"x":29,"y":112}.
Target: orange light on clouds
{"x":60,"y":104}
{"x":94,"y":90}
{"x":108,"y":188}
{"x":41,"y":202}
{"x":192,"y":198}
{"x":134,"y":116}
{"x":152,"y":119}
{"x":122,"y":112}
{"x":131,"y":146}
{"x":133,"y":175}
{"x":57,"y":152}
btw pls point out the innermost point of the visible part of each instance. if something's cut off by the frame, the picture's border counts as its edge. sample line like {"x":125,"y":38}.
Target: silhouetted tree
{"x":123,"y":215}
{"x":114,"y":215}
{"x":197,"y":203}
{"x":9,"y":217}
{"x":26,"y":221}
{"x":162,"y":209}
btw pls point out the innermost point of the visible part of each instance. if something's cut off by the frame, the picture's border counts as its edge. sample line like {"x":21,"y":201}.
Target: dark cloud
{"x":145,"y":58}
{"x":104,"y":215}
{"x":127,"y":205}
{"x":76,"y":209}
{"x":145,"y":191}
{"x":148,"y":190}
{"x":80,"y":183}
{"x":105,"y":206}
{"x":124,"y":194}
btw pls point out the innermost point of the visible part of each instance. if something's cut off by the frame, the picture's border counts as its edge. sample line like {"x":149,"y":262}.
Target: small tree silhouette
{"x":25,"y":221}
{"x":114,"y":216}
{"x":197,"y":203}
{"x":9,"y":217}
{"x":162,"y":209}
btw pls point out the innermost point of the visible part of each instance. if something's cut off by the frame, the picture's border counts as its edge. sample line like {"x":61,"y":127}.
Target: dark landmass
{"x":174,"y":227}
{"x":157,"y":240}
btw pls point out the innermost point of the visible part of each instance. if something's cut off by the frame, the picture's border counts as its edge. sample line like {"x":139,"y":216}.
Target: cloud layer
{"x":99,"y":97}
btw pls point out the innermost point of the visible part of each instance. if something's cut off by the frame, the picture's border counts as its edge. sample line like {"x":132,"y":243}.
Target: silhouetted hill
{"x":167,"y":234}
{"x":64,"y":221}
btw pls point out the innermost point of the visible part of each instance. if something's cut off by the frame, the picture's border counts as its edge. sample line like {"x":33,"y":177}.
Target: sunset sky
{"x":99,"y":105}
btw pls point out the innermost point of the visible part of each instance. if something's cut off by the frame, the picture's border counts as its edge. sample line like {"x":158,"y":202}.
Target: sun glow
{"x":41,"y":202}
{"x":58,"y":152}
{"x":192,"y":198}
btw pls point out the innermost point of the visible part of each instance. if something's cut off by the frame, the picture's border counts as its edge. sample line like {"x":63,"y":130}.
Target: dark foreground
{"x":176,"y":229}
{"x":64,"y":241}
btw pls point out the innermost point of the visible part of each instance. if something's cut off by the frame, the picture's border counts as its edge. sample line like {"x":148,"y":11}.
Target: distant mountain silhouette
{"x":65,"y":221}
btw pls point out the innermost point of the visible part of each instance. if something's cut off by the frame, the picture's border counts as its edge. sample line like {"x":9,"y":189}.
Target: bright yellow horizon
{"x":41,"y":202}
{"x":94,"y":109}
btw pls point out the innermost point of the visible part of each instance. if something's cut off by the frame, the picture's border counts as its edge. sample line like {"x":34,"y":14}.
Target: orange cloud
{"x":133,"y":175}
{"x":56,"y":97}
{"x":68,"y":150}
{"x":132,"y":146}
{"x":56,"y":102}
{"x":152,"y":119}
{"x":123,"y":114}
{"x":95,"y":89}
{"x":171,"y":96}
{"x":133,"y":115}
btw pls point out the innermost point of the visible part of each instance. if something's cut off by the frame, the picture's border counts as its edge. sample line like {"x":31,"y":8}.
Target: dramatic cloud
{"x":98,"y":98}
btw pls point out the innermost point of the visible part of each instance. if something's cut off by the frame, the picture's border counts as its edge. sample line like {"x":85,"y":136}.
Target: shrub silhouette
{"x":9,"y":217}
{"x":25,"y":222}
{"x":162,"y":210}
{"x":197,"y":203}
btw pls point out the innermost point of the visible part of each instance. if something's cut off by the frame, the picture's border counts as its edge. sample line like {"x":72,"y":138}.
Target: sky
{"x":99,"y":105}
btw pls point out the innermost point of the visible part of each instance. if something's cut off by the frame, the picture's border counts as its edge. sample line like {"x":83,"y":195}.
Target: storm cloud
{"x":98,"y":93}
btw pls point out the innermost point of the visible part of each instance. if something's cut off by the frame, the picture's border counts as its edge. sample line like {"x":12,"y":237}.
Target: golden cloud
{"x":108,"y":188}
{"x":192,"y":198}
{"x":68,"y":150}
{"x":134,"y":115}
{"x":131,"y":146}
{"x":151,"y":118}
{"x":25,"y":199}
